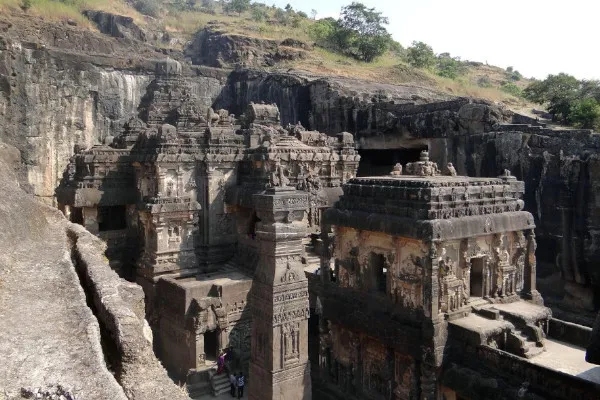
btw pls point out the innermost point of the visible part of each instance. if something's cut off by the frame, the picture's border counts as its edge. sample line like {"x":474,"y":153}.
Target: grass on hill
{"x":389,"y":68}
{"x":56,"y":10}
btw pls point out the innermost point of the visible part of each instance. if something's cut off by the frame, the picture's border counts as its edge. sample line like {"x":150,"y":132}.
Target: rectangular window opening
{"x":112,"y":218}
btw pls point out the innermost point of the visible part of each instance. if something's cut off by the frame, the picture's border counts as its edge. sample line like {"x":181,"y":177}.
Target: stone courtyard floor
{"x":567,"y":358}
{"x":223,"y":396}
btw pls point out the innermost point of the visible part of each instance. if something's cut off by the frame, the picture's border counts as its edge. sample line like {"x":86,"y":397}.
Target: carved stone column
{"x":279,"y":367}
{"x":90,"y":219}
{"x":529,"y":289}
{"x":327,"y":238}
{"x":217,"y":233}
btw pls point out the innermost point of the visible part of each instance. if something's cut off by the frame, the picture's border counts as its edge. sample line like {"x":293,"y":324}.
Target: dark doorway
{"x":211,"y":344}
{"x":477,"y":277}
{"x":381,"y":162}
{"x":379,"y":268}
{"x":313,"y":339}
{"x":77,"y":215}
{"x":112,"y":218}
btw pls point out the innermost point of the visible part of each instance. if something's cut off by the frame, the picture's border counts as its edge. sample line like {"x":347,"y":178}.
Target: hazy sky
{"x":535,"y":37}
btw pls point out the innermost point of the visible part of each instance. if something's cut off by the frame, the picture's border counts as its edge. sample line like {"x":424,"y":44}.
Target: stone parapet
{"x":433,"y":197}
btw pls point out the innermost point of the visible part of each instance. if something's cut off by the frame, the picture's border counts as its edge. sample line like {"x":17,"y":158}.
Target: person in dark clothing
{"x":233,"y":384}
{"x":240,"y":385}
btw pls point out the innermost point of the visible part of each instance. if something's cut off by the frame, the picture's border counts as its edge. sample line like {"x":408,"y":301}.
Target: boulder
{"x":116,"y":25}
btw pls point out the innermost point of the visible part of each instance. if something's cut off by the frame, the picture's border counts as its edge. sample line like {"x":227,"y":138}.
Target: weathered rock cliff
{"x":52,"y":275}
{"x":61,"y":86}
{"x":55,"y":94}
{"x":215,"y":48}
{"x":559,"y":168}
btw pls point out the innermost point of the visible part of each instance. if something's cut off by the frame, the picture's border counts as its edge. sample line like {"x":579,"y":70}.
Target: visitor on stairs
{"x":220,"y":363}
{"x":240,"y":385}
{"x":233,"y":383}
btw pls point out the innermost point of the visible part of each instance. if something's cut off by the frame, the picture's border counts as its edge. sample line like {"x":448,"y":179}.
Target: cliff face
{"x":70,"y":325}
{"x":62,"y":86}
{"x":326,"y":104}
{"x":561,"y":170}
{"x":50,"y":101}
{"x":219,"y":49}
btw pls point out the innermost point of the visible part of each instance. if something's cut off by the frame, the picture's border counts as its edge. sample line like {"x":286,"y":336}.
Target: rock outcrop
{"x":216,"y":48}
{"x":116,"y":25}
{"x":51,"y":273}
{"x":48,"y":335}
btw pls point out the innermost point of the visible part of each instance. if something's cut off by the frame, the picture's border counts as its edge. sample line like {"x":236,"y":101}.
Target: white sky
{"x":536,"y":37}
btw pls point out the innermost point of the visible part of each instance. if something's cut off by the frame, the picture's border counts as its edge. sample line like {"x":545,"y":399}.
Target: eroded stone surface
{"x":48,"y":335}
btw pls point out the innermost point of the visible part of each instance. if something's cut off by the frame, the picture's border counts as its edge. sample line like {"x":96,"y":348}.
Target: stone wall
{"x":52,"y":99}
{"x":559,"y":170}
{"x":119,"y":305}
{"x":569,"y":332}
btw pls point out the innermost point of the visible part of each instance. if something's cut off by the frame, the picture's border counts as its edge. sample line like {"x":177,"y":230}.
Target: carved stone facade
{"x":414,"y":255}
{"x":426,"y":281}
{"x":173,"y":196}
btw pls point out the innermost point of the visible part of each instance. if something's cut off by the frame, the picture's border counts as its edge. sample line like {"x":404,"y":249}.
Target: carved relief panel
{"x":407,"y":277}
{"x":290,"y":343}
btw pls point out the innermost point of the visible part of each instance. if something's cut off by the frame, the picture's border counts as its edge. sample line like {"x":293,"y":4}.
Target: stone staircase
{"x":198,"y":384}
{"x":520,"y":345}
{"x":523,"y":340}
{"x":219,"y":383}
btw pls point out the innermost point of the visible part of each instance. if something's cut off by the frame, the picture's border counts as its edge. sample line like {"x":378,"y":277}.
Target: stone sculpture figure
{"x":397,"y":170}
{"x":211,"y":116}
{"x":451,"y":169}
{"x":423,"y":167}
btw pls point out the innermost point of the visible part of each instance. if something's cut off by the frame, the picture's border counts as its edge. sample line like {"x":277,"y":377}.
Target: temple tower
{"x":279,"y":367}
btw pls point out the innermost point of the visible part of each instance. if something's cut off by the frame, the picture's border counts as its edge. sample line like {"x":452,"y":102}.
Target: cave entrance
{"x":211,"y":344}
{"x":381,"y":162}
{"x":476,"y":285}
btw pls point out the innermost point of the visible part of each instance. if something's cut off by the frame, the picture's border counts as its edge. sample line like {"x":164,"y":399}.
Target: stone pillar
{"x":279,"y":367}
{"x":431,"y":284}
{"x":198,"y":350}
{"x":90,"y":219}
{"x":217,"y":230}
{"x":327,"y":238}
{"x":529,"y":288}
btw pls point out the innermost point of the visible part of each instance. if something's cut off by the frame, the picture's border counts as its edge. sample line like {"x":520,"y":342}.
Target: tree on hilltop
{"x":559,"y":92}
{"x":238,"y":6}
{"x":585,"y":114}
{"x":568,"y":99}
{"x":361,"y":32}
{"x":420,"y":55}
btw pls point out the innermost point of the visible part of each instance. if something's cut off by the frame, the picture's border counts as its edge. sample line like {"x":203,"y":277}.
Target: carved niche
{"x":290,"y":343}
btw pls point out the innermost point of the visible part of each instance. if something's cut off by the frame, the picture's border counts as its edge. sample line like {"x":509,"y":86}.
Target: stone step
{"x":534,"y":351}
{"x":219,"y":383}
{"x":489,"y":313}
{"x":528,"y":347}
{"x":197,"y":390}
{"x":220,"y":388}
{"x":221,"y":376}
{"x":478,"y":302}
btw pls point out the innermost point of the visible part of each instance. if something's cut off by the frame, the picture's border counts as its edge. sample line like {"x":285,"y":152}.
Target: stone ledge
{"x":439,"y":229}
{"x":119,"y":306}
